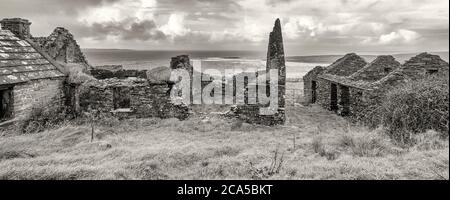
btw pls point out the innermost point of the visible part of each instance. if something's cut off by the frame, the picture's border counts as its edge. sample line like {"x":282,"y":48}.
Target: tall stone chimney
{"x":20,"y":27}
{"x":275,"y":60}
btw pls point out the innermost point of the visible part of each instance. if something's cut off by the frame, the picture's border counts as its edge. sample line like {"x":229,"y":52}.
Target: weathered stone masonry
{"x":247,"y":112}
{"x":349,"y":87}
{"x":275,"y":60}
{"x":131,"y":97}
{"x":38,"y":93}
{"x":62,"y":47}
{"x":28,"y":78}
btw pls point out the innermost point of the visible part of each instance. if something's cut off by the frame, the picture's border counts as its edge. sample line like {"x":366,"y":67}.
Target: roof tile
{"x":20,"y":62}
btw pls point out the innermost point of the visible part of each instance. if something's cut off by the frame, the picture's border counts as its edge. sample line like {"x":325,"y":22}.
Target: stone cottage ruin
{"x":348,"y":85}
{"x":127,"y":97}
{"x":35,"y":73}
{"x":276,"y":61}
{"x":29,"y":77}
{"x":241,"y":108}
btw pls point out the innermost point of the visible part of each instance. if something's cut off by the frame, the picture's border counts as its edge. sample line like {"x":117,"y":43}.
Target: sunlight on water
{"x":210,"y":60}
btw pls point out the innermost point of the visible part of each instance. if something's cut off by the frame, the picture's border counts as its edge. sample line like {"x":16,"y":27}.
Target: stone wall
{"x":307,"y":84}
{"x":99,"y":73}
{"x":346,"y":65}
{"x":145,"y":99}
{"x":20,"y":27}
{"x":62,"y":46}
{"x":250,"y":114}
{"x":377,"y":69}
{"x":356,"y":98}
{"x":37,"y":93}
{"x":323,"y":93}
{"x":275,"y":60}
{"x":424,"y":64}
{"x":182,"y":62}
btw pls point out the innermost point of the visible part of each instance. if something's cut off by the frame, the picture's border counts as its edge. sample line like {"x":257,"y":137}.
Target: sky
{"x":309,"y":27}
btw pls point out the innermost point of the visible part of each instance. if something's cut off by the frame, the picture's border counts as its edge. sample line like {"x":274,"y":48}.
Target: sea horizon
{"x":297,"y":65}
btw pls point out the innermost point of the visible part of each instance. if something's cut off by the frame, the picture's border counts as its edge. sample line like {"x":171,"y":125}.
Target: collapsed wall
{"x":275,"y":61}
{"x":116,"y":71}
{"x":62,"y":47}
{"x":131,"y":97}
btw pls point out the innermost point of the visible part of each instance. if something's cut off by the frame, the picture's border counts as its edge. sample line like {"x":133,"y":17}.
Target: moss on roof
{"x":21,"y":62}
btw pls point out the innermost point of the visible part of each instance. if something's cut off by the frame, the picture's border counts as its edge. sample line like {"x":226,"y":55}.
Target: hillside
{"x":331,"y":58}
{"x":210,"y":147}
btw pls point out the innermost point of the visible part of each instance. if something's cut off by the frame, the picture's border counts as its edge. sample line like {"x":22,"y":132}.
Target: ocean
{"x":218,"y":60}
{"x":296,"y":66}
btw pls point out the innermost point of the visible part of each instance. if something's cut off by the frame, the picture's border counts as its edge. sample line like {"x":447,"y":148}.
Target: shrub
{"x":265,"y":172}
{"x":42,"y":118}
{"x":319,"y":147}
{"x":365,"y":144}
{"x":411,"y":108}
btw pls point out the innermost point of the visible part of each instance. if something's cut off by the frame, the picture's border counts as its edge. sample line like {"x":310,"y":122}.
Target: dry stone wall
{"x":275,"y":60}
{"x":145,"y":99}
{"x":308,"y":80}
{"x":62,"y":47}
{"x":43,"y":93}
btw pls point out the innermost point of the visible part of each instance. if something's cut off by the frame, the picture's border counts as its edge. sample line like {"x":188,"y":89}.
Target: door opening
{"x":333,"y":99}
{"x":6,"y":104}
{"x":313,"y":91}
{"x":345,"y":100}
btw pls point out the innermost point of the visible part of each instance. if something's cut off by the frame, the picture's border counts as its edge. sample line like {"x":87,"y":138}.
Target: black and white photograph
{"x":204,"y":90}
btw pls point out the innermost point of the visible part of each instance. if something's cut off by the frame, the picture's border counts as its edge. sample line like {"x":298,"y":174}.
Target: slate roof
{"x":21,"y":62}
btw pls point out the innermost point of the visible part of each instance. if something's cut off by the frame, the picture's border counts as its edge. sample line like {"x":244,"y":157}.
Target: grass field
{"x":314,"y":144}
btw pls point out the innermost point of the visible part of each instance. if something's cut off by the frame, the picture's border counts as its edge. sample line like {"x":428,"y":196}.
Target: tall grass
{"x":43,"y":118}
{"x":412,"y":108}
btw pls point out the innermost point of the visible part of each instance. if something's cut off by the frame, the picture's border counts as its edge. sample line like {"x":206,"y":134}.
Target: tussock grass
{"x":412,"y":108}
{"x":207,"y":147}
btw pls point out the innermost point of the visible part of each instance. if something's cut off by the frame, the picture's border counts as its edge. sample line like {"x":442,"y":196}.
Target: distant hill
{"x":331,"y":58}
{"x":88,"y":50}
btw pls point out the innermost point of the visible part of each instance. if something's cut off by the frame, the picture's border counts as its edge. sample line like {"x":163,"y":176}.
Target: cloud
{"x":175,"y":26}
{"x":322,"y":25}
{"x":127,"y":29}
{"x":117,"y":11}
{"x":302,"y":26}
{"x":400,"y":36}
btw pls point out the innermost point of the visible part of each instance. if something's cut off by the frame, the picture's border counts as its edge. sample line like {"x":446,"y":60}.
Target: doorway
{"x":345,"y":100}
{"x":333,"y":99}
{"x":6,"y":104}
{"x":313,"y":91}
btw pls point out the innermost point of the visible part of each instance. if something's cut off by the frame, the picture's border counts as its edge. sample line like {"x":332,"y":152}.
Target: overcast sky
{"x":309,"y":27}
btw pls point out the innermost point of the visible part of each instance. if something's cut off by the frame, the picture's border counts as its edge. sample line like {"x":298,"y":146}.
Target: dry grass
{"x":210,"y":147}
{"x":411,"y":108}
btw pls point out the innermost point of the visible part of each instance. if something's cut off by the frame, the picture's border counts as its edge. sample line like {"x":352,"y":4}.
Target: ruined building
{"x":130,"y":97}
{"x":34,"y":73}
{"x":126,"y":93}
{"x":248,"y":112}
{"x":348,"y":85}
{"x":29,"y":77}
{"x":62,"y":47}
{"x":275,"y":60}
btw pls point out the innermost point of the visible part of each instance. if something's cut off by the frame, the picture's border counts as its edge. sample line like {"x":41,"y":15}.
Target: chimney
{"x":20,"y":27}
